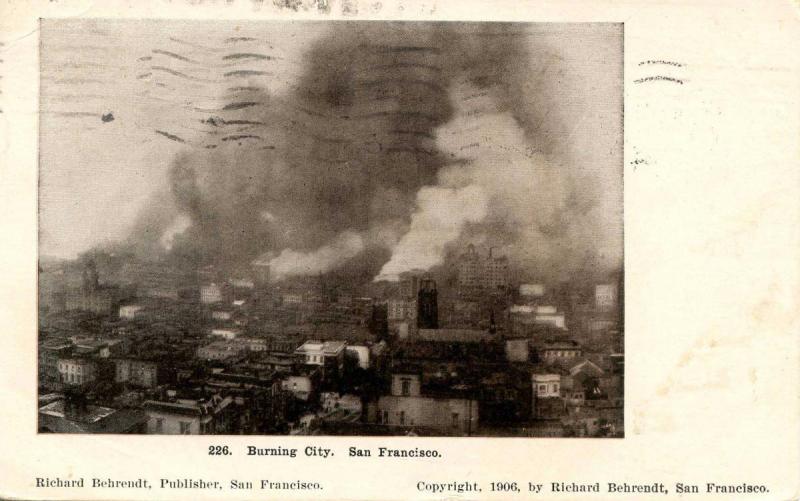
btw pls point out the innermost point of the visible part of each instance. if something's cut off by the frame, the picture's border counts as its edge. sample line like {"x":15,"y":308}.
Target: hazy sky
{"x":163,"y":80}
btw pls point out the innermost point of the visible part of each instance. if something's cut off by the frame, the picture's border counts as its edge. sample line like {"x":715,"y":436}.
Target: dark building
{"x":427,"y":308}
{"x":379,"y":321}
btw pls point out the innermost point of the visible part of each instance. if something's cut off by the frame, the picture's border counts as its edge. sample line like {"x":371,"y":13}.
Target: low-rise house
{"x":221,"y":314}
{"x":189,"y":416}
{"x":225,"y":333}
{"x":258,"y":398}
{"x":553,"y":351}
{"x":94,"y":347}
{"x":283,"y":363}
{"x":329,"y":355}
{"x":222,"y":351}
{"x":130,"y":311}
{"x":70,"y":416}
{"x":455,"y":335}
{"x":546,"y":387}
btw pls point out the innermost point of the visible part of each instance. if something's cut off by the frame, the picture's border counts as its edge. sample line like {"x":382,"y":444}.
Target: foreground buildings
{"x":478,"y":355}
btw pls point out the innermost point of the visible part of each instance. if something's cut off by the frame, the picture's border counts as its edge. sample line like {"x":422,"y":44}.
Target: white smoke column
{"x":177,"y":227}
{"x":288,"y":263}
{"x":442,"y":212}
{"x":496,"y":180}
{"x":550,"y":217}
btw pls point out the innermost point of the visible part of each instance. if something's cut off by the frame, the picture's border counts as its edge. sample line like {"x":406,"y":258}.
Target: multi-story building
{"x":329,"y":355}
{"x":189,"y":416}
{"x":213,"y":293}
{"x":136,"y":372}
{"x":451,"y":413}
{"x":77,"y":371}
{"x":605,"y":297}
{"x":476,"y":272}
{"x":49,"y":355}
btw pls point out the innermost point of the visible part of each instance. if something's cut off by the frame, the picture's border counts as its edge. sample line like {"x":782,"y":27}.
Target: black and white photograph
{"x":363,"y":228}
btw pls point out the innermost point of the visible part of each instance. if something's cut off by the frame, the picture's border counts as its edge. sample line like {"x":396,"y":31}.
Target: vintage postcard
{"x":393,"y":250}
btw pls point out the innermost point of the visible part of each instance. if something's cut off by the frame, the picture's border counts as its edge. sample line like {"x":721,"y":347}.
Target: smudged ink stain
{"x":107,"y":117}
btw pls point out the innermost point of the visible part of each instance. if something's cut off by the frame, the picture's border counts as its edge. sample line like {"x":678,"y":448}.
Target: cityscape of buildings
{"x":146,"y":347}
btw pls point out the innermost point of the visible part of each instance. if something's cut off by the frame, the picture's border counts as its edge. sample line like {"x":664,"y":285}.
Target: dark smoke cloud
{"x":350,"y":146}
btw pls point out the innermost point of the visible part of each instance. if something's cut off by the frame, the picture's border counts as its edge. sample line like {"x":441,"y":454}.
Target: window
{"x":159,"y":425}
{"x":385,"y":417}
{"x":542,"y":388}
{"x":406,"y":387}
{"x":402,"y":417}
{"x":185,"y":425}
{"x":454,"y":418}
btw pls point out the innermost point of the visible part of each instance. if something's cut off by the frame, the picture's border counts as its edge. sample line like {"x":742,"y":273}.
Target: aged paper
{"x":351,"y":249}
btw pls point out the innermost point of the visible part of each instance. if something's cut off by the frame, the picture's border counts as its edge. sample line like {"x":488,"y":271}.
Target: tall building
{"x":410,"y":283}
{"x":260,"y":268}
{"x":427,"y":308}
{"x":476,"y":272}
{"x":469,"y":268}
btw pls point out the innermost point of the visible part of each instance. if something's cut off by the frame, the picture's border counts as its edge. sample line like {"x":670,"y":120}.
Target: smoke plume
{"x":390,"y":146}
{"x":292,"y":263}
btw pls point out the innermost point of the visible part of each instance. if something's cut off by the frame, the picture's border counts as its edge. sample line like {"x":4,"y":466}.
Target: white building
{"x":77,"y":371}
{"x":211,"y":293}
{"x":130,"y":311}
{"x":323,"y":353}
{"x":225,"y":333}
{"x":546,"y":385}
